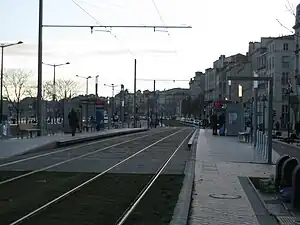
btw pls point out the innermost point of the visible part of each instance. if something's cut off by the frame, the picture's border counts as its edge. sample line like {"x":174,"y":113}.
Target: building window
{"x":285,"y":78}
{"x":285,"y":61}
{"x":285,"y":46}
{"x":273,"y":62}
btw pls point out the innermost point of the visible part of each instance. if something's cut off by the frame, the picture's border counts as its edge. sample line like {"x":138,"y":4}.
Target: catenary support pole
{"x":134,"y":96}
{"x":270,"y":121}
{"x":40,"y":78}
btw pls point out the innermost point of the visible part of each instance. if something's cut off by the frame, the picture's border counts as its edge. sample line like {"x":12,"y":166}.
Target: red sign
{"x":100,"y":103}
{"x":218,"y":104}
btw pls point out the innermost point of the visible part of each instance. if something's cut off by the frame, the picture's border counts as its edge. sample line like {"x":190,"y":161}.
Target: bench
{"x":27,"y":129}
{"x":245,"y":136}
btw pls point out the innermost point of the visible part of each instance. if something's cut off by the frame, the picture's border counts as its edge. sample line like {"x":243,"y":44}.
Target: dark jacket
{"x":73,"y":118}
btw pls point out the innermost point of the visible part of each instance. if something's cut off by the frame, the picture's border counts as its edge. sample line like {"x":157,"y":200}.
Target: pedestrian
{"x":73,"y":121}
{"x":277,"y":126}
{"x":214,"y":123}
{"x":297,"y":128}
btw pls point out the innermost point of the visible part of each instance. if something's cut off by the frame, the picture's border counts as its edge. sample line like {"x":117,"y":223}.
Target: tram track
{"x":36,"y":177}
{"x":32,"y":156}
{"x":78,"y":155}
{"x":47,"y":213}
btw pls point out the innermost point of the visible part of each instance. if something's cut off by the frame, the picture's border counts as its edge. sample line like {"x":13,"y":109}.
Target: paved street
{"x":220,"y":162}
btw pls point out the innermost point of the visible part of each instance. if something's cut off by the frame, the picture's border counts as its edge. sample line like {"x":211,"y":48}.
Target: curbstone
{"x":182,"y":208}
{"x":97,"y":137}
{"x":58,"y":144}
{"x":44,"y":147}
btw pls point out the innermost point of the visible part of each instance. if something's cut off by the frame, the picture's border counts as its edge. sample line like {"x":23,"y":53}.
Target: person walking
{"x":73,"y":121}
{"x":214,"y":123}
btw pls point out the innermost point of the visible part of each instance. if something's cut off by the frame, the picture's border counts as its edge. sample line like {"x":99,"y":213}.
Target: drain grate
{"x":224,"y":196}
{"x":286,"y":220}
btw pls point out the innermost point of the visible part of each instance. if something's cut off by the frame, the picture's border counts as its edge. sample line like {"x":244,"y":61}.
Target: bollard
{"x":287,"y":171}
{"x":278,"y":170}
{"x":296,"y":187}
{"x":257,"y":141}
{"x":260,"y":142}
{"x":265,"y":146}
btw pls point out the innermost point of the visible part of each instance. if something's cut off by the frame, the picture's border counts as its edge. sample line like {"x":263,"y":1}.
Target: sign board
{"x":234,"y":119}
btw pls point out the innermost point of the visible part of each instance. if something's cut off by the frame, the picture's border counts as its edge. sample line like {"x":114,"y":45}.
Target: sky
{"x":218,"y":28}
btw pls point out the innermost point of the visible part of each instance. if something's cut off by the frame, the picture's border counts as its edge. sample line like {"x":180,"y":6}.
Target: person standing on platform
{"x":214,"y":123}
{"x":73,"y":121}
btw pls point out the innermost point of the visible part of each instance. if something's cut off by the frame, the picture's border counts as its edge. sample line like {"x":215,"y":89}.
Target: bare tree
{"x":290,"y":8}
{"x":16,"y":86}
{"x":64,"y":88}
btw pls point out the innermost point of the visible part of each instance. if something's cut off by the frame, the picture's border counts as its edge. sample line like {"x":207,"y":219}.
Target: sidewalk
{"x":220,"y":161}
{"x":14,"y":147}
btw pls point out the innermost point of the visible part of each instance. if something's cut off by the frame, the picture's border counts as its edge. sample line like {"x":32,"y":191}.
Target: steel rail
{"x":63,"y":150}
{"x":73,"y":190}
{"x":140,"y":196}
{"x":71,"y":159}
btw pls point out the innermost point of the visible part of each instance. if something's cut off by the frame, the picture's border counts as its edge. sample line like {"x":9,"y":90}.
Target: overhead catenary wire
{"x":162,"y":20}
{"x":98,"y":22}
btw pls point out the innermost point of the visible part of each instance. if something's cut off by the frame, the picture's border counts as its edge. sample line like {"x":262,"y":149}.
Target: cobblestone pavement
{"x":219,"y":163}
{"x":147,"y":162}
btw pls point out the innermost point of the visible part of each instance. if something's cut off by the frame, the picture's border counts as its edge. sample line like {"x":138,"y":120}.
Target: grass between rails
{"x":101,"y":202}
{"x":158,"y":204}
{"x":21,"y":197}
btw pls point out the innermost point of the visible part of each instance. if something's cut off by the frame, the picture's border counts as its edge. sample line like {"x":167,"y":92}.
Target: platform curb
{"x":58,"y":144}
{"x":182,"y":208}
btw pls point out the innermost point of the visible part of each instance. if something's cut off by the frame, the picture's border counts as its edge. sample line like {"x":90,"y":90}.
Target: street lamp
{"x":288,"y":92}
{"x":1,"y":89}
{"x":54,"y":80}
{"x":113,"y":86}
{"x":96,"y":86}
{"x":87,"y":83}
{"x":264,"y":99}
{"x":229,"y":89}
{"x":87,"y":93}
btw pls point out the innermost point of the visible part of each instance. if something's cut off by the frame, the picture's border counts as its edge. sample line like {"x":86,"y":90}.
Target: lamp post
{"x":254,"y":114}
{"x":240,"y":93}
{"x":113,"y":86}
{"x":87,"y":93}
{"x":122,"y":103}
{"x":263,"y":98}
{"x":288,"y":92}
{"x":96,"y":85}
{"x":87,"y":83}
{"x":54,"y":77}
{"x":1,"y":89}
{"x":229,"y":89}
